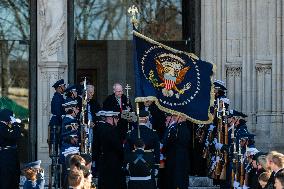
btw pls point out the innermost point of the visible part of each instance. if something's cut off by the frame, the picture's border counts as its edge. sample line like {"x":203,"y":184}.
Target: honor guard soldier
{"x":219,"y":89}
{"x":57,"y":112}
{"x":177,"y":144}
{"x":34,"y":175}
{"x":9,"y":163}
{"x":149,"y":136}
{"x":156,"y":116}
{"x":72,"y":94}
{"x":141,"y":167}
{"x":109,"y":152}
{"x":69,"y":133}
{"x":70,"y":126}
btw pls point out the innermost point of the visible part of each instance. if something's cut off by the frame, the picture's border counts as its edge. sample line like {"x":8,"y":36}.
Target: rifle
{"x":242,"y":168}
{"x":86,"y":145}
{"x":55,"y":168}
{"x":219,"y":167}
{"x":234,"y":173}
{"x":225,"y":154}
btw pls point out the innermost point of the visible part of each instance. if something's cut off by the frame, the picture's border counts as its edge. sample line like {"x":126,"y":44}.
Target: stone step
{"x":200,"y":182}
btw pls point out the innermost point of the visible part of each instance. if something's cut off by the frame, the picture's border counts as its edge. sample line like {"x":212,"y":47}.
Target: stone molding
{"x":263,"y":68}
{"x":233,"y":70}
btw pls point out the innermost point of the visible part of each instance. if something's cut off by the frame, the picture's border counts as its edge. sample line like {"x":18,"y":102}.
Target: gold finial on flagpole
{"x":133,"y":11}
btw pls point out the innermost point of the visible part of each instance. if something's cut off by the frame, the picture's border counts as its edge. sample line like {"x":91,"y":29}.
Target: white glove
{"x":215,"y":141}
{"x":218,"y":146}
{"x":156,"y":172}
{"x":236,"y":184}
{"x":245,"y":187}
{"x":211,"y":127}
{"x":14,"y":120}
{"x":40,"y":174}
{"x":207,"y":143}
{"x":127,"y":166}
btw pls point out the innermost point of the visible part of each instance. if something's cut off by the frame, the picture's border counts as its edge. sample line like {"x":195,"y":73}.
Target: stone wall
{"x":245,"y":40}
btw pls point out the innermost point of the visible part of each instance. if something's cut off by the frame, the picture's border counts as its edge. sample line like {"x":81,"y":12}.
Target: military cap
{"x":107,"y":113}
{"x":69,"y":104}
{"x":71,"y":150}
{"x":235,"y":113}
{"x":58,"y":83}
{"x":34,"y":164}
{"x":258,"y":154}
{"x":70,"y":88}
{"x":143,"y":113}
{"x":248,"y":136}
{"x":218,"y":84}
{"x":5,"y":115}
{"x":251,"y":151}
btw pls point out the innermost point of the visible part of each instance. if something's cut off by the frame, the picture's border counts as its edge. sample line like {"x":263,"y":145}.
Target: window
{"x":109,"y":19}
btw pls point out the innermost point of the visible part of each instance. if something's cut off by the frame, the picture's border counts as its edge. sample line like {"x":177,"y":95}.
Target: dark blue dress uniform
{"x":39,"y":182}
{"x":150,"y":138}
{"x":140,"y":166}
{"x":69,"y":97}
{"x":9,"y":163}
{"x":56,"y":106}
{"x":56,"y":118}
{"x":177,"y":156}
{"x":109,"y":157}
{"x":70,"y":129}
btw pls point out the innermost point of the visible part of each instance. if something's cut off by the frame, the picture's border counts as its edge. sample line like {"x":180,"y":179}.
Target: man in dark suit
{"x":118,"y":102}
{"x":9,"y":163}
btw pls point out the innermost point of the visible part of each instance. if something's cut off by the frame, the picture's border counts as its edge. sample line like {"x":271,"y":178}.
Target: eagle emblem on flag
{"x":177,"y":81}
{"x":171,"y":71}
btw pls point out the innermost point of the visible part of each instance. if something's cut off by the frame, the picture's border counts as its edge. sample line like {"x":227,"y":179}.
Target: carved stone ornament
{"x":52,"y":26}
{"x":263,"y":68}
{"x":235,"y":70}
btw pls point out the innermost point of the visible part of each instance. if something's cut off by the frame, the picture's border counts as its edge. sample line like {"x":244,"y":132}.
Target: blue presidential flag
{"x":179,"y":82}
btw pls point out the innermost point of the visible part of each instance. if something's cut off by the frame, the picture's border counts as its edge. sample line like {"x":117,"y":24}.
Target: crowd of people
{"x":105,"y":146}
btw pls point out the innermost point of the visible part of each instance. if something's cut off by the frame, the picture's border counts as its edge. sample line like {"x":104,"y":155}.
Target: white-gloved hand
{"x":207,"y":143}
{"x":40,"y":174}
{"x":127,"y":166}
{"x":156,"y":171}
{"x":211,"y":127}
{"x":14,"y":120}
{"x":236,"y":184}
{"x":245,"y":187}
{"x":217,"y":159}
{"x":218,"y":146}
{"x":215,"y":141}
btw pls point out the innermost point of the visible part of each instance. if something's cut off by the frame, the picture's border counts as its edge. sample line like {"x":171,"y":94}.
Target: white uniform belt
{"x":140,"y":178}
{"x":8,"y":147}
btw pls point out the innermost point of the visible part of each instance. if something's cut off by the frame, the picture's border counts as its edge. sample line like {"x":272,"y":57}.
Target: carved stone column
{"x":52,"y":64}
